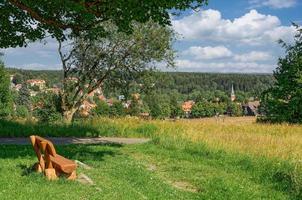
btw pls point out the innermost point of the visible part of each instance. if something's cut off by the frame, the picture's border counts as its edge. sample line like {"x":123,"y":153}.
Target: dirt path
{"x":73,"y":140}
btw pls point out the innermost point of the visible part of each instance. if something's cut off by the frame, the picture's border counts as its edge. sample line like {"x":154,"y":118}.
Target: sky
{"x":227,"y":36}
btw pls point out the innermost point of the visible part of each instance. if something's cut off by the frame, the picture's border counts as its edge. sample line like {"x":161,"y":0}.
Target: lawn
{"x":219,"y":160}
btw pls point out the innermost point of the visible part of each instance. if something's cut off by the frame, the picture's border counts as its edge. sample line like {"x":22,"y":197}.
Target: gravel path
{"x":73,"y":140}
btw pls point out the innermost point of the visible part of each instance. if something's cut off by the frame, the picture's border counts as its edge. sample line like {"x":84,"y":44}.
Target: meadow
{"x":231,"y":158}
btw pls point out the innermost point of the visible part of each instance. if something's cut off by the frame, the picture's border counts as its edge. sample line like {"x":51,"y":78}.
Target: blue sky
{"x":226,"y":36}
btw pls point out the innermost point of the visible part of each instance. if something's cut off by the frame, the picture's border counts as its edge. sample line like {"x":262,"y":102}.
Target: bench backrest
{"x":43,"y":148}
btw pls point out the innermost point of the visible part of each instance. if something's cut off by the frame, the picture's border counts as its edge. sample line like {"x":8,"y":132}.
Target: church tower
{"x":233,"y":96}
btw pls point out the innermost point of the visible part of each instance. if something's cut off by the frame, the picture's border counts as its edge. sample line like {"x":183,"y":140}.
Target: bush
{"x":48,"y":107}
{"x":22,"y":111}
{"x":207,"y":109}
{"x":117,"y":109}
{"x":102,"y":109}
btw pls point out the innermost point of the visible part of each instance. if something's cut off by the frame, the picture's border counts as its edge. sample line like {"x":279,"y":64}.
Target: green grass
{"x":183,"y":161}
{"x":123,"y":172}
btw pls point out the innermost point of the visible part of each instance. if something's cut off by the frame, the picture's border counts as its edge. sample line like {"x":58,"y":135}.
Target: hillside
{"x":186,"y":84}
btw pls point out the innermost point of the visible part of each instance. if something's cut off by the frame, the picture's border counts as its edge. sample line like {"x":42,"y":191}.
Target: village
{"x":37,"y":86}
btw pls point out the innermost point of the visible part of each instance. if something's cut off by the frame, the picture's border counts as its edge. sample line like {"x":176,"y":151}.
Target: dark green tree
{"x":23,"y":97}
{"x":283,"y":102}
{"x":18,"y":79}
{"x":35,"y":19}
{"x":6,"y":103}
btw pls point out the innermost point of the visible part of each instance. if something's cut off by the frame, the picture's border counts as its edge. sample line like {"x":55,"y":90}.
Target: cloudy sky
{"x":226,"y":36}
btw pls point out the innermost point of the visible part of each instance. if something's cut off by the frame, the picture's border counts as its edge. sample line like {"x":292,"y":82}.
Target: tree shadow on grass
{"x":94,"y":152}
{"x":16,"y":129}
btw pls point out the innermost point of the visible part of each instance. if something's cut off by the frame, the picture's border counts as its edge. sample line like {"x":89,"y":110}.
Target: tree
{"x":283,"y":101}
{"x":91,"y":63}
{"x":18,"y":79}
{"x":22,"y":102}
{"x":62,"y":19}
{"x":6,"y":104}
{"x":158,"y":105}
{"x":208,"y":109}
{"x":47,"y":107}
{"x":175,"y":107}
{"x":234,"y":109}
{"x":23,"y":97}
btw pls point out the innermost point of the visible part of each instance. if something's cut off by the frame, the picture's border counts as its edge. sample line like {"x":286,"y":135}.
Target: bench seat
{"x":65,"y":165}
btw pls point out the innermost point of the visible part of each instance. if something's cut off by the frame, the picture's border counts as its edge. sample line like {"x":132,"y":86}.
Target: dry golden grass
{"x":233,"y":134}
{"x":243,"y":135}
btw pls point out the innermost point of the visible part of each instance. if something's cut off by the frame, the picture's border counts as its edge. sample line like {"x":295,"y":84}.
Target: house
{"x":36,"y":82}
{"x":54,"y":90}
{"x":187,"y":107}
{"x":86,"y":107}
{"x":251,"y":108}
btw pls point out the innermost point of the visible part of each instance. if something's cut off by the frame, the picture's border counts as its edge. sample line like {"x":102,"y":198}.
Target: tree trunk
{"x":68,"y":115}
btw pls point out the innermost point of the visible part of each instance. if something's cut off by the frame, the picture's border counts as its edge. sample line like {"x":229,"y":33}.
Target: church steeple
{"x":233,"y":96}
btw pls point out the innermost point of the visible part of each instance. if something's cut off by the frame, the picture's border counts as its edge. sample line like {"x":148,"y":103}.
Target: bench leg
{"x":51,"y":174}
{"x":72,"y":176}
{"x":37,"y":167}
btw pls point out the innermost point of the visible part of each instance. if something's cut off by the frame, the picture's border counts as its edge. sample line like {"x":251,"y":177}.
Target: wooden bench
{"x":50,"y":163}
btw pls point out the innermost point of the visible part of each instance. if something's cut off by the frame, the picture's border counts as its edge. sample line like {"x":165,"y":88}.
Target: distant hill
{"x":183,"y":82}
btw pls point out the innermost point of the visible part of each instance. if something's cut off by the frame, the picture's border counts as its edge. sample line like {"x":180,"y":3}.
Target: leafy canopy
{"x":23,"y":21}
{"x":283,"y":102}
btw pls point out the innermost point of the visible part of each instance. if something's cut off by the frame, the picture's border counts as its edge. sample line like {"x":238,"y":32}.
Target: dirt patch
{"x":151,"y":167}
{"x":185,"y":186}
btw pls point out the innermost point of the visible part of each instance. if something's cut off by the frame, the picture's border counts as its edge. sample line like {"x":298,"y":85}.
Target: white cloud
{"x":224,"y":67}
{"x":254,"y":56}
{"x":208,"y":52}
{"x":252,"y":28}
{"x":273,"y":3}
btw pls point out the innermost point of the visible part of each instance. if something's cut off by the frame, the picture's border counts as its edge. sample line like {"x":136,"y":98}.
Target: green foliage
{"x":23,"y":97}
{"x":117,"y":109}
{"x":101,"y":109}
{"x":18,"y":79}
{"x":113,"y":60}
{"x":175,"y":107}
{"x":62,"y":19}
{"x":159,"y":105}
{"x":234,"y":109}
{"x":48,"y":107}
{"x":207,"y":109}
{"x":6,"y":103}
{"x":205,"y":86}
{"x":135,"y":107}
{"x":283,"y":102}
{"x":22,"y":111}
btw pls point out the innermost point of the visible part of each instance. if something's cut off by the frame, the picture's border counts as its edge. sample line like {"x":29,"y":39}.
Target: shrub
{"x":117,"y":109}
{"x":22,"y":111}
{"x":48,"y":107}
{"x":102,"y":109}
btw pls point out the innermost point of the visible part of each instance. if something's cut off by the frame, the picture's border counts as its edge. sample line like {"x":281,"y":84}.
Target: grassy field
{"x":234,"y":158}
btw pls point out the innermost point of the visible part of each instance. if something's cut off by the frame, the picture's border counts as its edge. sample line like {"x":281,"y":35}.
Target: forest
{"x":188,"y":85}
